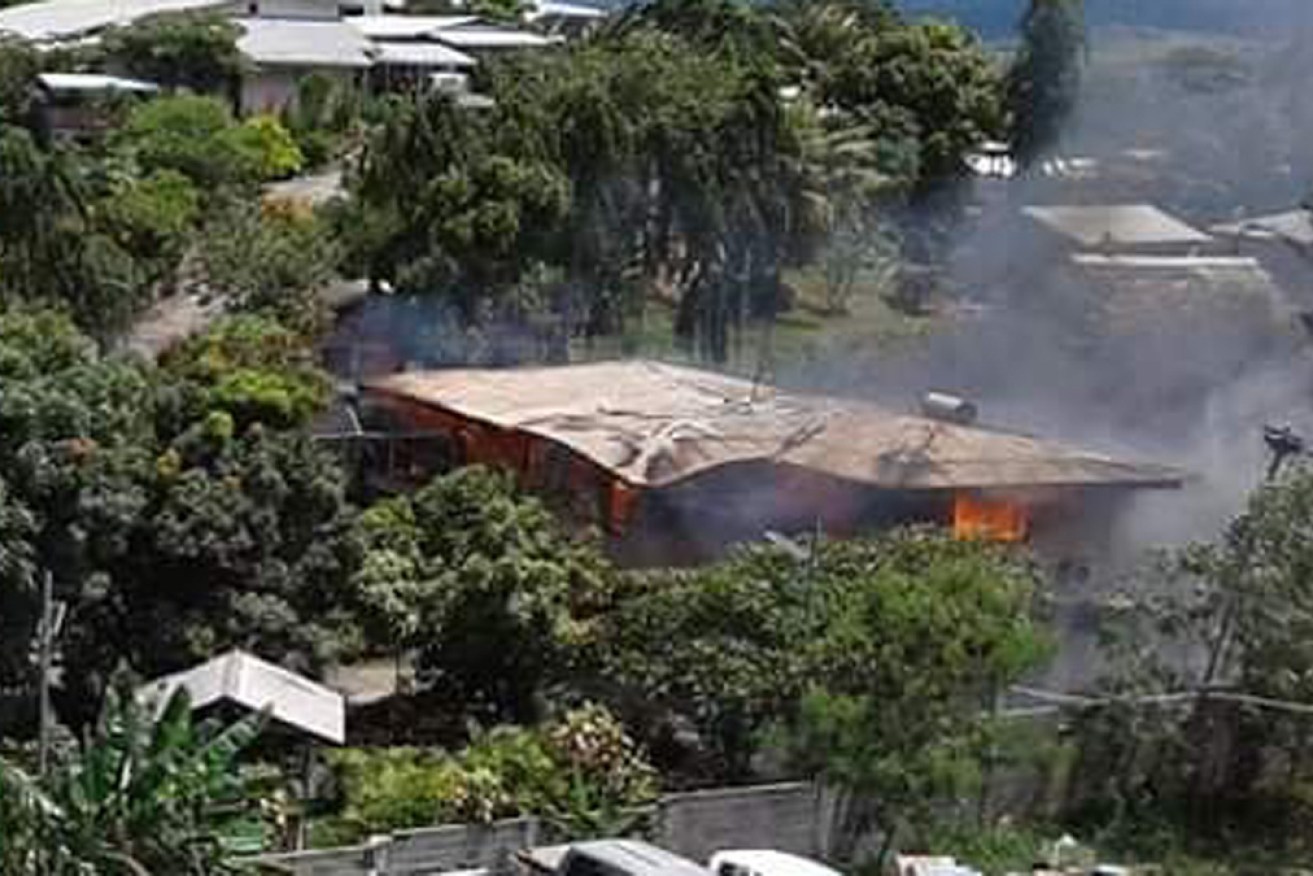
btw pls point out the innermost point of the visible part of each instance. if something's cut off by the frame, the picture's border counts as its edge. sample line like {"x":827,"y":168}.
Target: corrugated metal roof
{"x":1293,"y":226}
{"x":654,"y":424}
{"x":60,"y":19}
{"x":551,"y":9}
{"x":309,"y":43}
{"x":399,"y":27}
{"x":487,"y":37}
{"x":1117,"y":225}
{"x":257,"y":685}
{"x":94,"y":82}
{"x":420,"y":54}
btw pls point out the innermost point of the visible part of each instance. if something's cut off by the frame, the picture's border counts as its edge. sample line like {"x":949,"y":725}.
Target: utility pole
{"x":47,"y":642}
{"x":52,"y":619}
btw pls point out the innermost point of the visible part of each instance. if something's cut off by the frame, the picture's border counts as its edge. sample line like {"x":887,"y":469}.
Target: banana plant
{"x":141,"y":796}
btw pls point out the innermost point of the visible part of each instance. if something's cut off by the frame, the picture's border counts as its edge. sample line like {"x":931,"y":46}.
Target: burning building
{"x":675,"y":463}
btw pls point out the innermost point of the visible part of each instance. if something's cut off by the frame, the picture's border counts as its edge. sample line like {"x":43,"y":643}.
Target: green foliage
{"x":139,"y":796}
{"x":1209,"y":766}
{"x":49,"y":252}
{"x":179,"y":50}
{"x":883,"y":650}
{"x":1044,"y":82}
{"x":580,"y":771}
{"x":270,"y":262}
{"x":255,"y":371}
{"x":19,"y":64}
{"x":484,"y":583}
{"x":272,"y":149}
{"x":193,"y":135}
{"x":929,"y":91}
{"x":151,"y":218}
{"x":170,"y":533}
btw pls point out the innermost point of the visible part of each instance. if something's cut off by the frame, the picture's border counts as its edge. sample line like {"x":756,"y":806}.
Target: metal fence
{"x":791,"y":817}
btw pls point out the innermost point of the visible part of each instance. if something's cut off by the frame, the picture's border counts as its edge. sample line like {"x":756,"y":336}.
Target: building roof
{"x":94,"y":83}
{"x":654,"y":424}
{"x":60,"y":19}
{"x":420,"y":54}
{"x":407,"y":27}
{"x":1126,"y":225}
{"x":552,"y":9}
{"x":1137,"y":293}
{"x":481,"y":36}
{"x":1293,"y":226}
{"x":256,"y":684}
{"x":303,"y":42}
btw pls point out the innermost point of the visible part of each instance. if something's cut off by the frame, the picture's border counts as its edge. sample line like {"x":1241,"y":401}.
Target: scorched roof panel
{"x":654,"y":424}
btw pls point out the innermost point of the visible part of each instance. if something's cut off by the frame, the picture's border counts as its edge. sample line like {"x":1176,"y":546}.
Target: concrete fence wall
{"x":790,"y":817}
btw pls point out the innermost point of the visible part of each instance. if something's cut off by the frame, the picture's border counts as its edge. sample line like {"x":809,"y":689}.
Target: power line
{"x":1058,"y":701}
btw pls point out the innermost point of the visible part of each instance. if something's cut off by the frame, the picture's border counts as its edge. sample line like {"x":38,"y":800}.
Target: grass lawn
{"x":807,"y":333}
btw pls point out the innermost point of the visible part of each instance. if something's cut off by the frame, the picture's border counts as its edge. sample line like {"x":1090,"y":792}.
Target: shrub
{"x":268,"y":146}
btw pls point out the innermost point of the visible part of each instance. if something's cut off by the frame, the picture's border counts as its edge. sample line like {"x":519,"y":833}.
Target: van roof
{"x":637,"y":858}
{"x":768,"y":862}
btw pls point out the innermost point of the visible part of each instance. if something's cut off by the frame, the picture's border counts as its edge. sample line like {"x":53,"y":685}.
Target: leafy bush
{"x":269,"y":147}
{"x":193,"y":135}
{"x":255,"y":370}
{"x":270,"y":261}
{"x":151,"y":217}
{"x":579,"y":771}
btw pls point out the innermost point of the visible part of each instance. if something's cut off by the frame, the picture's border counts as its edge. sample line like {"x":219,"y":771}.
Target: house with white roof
{"x":285,"y":39}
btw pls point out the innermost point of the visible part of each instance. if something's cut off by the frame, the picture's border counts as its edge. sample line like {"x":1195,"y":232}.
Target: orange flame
{"x":989,"y":519}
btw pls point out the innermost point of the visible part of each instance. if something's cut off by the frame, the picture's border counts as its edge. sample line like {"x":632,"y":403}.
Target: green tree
{"x":1044,"y":82}
{"x":192,"y":135}
{"x":139,"y":796}
{"x":763,"y":642}
{"x":483,"y":582}
{"x":19,"y":64}
{"x":180,"y":50}
{"x":271,"y":261}
{"x":1241,"y":607}
{"x":170,"y":532}
{"x":929,"y":90}
{"x":152,"y":218}
{"x":912,"y":657}
{"x":252,"y":369}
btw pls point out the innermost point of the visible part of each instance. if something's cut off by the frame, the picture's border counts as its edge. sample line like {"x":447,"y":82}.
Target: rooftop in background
{"x":1117,"y":225}
{"x":308,"y":42}
{"x":93,"y":83}
{"x":487,"y":36}
{"x":412,"y":27}
{"x":256,"y":684}
{"x":654,"y":425}
{"x":420,"y":54}
{"x":1293,"y":226}
{"x":551,"y":9}
{"x":60,"y":19}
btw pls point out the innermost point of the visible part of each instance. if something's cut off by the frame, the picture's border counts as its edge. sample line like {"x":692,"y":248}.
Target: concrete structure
{"x":251,"y":683}
{"x":1122,"y":228}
